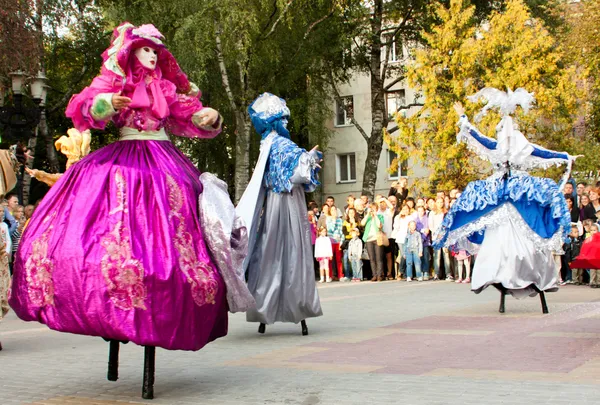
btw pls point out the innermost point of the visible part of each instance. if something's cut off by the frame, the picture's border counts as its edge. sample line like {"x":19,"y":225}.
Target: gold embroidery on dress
{"x":123,"y":273}
{"x":200,"y":275}
{"x":39,"y":269}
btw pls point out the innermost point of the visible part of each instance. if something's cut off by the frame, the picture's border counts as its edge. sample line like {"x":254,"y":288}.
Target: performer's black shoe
{"x":0,"y":346}
{"x":304,"y":328}
{"x":261,"y":328}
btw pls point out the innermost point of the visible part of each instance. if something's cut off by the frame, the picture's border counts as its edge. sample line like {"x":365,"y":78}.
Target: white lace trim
{"x":498,"y":216}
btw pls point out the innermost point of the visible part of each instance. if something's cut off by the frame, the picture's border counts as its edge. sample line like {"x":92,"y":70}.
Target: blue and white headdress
{"x":269,"y":113}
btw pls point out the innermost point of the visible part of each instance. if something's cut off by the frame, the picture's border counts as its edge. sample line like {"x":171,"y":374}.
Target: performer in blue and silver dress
{"x":279,"y":264}
{"x":512,"y":220}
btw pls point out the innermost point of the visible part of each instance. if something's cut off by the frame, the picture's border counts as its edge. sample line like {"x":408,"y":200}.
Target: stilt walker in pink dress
{"x":132,"y":243}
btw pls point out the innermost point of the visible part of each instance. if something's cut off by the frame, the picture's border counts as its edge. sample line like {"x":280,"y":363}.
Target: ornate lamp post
{"x":18,"y":121}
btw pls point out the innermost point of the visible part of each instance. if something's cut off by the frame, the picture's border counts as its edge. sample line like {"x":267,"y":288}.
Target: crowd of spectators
{"x":15,"y":218}
{"x":390,"y":238}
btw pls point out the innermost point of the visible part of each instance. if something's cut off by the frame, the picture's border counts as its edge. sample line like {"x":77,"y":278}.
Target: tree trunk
{"x":242,"y":122}
{"x":242,"y":154}
{"x":378,"y":113}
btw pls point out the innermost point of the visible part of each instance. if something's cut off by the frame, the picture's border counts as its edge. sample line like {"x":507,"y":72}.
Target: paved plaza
{"x":377,"y":343}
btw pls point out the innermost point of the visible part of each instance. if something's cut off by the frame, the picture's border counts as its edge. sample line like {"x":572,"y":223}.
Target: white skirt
{"x":510,"y":258}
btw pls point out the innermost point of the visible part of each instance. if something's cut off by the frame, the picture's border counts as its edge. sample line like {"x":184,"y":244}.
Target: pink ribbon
{"x":140,"y":98}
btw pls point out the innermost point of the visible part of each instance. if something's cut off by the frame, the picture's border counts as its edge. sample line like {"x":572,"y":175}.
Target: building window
{"x":395,"y":100}
{"x":395,"y":45}
{"x":402,"y":166}
{"x":344,"y":111}
{"x":346,"y":168}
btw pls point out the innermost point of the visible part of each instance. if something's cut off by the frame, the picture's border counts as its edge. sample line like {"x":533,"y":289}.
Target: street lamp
{"x":17,"y":122}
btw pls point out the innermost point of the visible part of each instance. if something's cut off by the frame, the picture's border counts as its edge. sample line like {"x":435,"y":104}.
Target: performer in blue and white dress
{"x":279,"y":264}
{"x":514,"y":221}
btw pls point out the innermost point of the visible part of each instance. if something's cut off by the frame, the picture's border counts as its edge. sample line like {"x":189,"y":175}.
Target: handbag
{"x":382,"y":239}
{"x":365,"y":253}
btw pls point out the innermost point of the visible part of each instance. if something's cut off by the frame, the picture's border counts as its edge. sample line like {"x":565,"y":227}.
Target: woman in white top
{"x":399,"y":232}
{"x":435,"y":222}
{"x":386,"y":209}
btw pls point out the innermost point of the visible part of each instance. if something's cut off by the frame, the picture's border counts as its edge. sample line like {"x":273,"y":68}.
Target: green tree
{"x":511,"y":50}
{"x":236,"y":50}
{"x":376,"y":28}
{"x":58,"y":38}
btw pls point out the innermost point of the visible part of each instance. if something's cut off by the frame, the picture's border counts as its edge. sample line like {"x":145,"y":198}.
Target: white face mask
{"x":147,"y":57}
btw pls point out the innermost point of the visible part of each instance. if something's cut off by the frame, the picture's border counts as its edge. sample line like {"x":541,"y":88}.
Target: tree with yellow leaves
{"x":583,"y":46}
{"x":510,"y":50}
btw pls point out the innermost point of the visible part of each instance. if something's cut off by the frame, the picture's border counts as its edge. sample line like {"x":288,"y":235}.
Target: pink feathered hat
{"x":127,"y":38}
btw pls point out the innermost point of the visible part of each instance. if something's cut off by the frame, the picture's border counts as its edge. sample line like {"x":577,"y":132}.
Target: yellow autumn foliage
{"x":510,"y":50}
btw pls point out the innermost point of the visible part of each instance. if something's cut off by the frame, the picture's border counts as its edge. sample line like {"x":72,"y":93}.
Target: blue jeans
{"x":437,"y":262}
{"x":346,"y":264}
{"x":413,"y":258}
{"x":356,"y":265}
{"x":425,"y":261}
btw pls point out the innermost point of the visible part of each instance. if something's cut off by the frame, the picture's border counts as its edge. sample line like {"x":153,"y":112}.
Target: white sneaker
{"x":328,"y":279}
{"x":322,"y":280}
{"x":408,"y":279}
{"x":420,"y":279}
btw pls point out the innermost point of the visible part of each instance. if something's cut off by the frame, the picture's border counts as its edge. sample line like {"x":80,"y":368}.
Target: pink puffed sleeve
{"x":180,"y":122}
{"x":79,"y":108}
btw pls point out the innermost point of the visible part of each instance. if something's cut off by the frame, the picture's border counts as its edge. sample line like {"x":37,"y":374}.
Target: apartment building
{"x":346,"y":152}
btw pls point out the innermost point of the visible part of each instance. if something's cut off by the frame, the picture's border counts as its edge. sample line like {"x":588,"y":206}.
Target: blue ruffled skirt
{"x":514,"y":225}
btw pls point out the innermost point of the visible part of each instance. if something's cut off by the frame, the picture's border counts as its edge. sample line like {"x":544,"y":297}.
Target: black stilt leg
{"x":502,"y":300}
{"x":261,"y":328}
{"x":543,"y":300}
{"x":113,"y":361}
{"x":502,"y":290}
{"x":304,"y":328}
{"x":149,"y":361}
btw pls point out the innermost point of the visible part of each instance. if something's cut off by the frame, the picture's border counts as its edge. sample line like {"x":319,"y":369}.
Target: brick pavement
{"x":378,"y":343}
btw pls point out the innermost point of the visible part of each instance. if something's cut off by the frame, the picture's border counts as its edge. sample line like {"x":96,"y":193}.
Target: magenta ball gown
{"x":116,"y":249}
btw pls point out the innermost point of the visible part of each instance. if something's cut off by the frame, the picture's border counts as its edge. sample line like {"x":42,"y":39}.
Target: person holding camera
{"x":399,"y":190}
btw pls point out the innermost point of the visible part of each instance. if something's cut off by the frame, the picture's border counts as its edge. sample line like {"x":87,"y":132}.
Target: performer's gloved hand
{"x":316,"y":155}
{"x":119,"y":102}
{"x":206,"y":117}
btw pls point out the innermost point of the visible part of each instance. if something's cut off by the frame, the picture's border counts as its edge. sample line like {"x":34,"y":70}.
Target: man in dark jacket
{"x":572,"y":249}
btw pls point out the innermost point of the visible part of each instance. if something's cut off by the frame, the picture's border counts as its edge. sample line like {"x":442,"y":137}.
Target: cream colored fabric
{"x":75,"y":146}
{"x":132,"y":134}
{"x":8,"y":180}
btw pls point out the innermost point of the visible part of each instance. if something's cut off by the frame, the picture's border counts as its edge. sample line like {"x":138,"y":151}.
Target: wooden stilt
{"x":149,"y":363}
{"x":543,"y":300}
{"x":502,"y":290}
{"x":304,"y":328}
{"x":502,"y":301}
{"x":113,"y":361}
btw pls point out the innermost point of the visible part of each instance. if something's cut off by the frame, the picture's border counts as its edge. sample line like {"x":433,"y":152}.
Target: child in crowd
{"x":463,"y":257}
{"x":355,"y":251}
{"x":572,"y":249}
{"x":413,"y":251}
{"x":587,"y":223}
{"x":323,"y":253}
